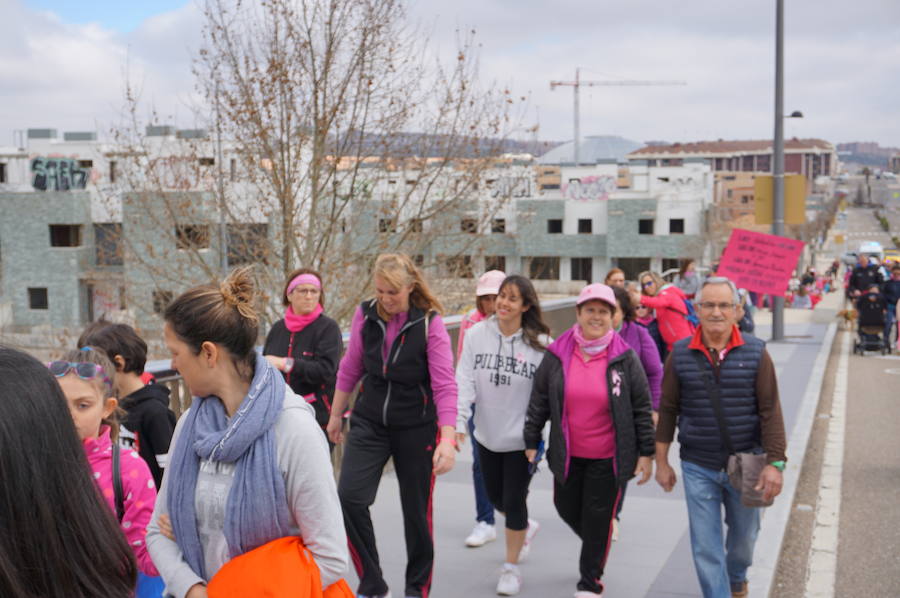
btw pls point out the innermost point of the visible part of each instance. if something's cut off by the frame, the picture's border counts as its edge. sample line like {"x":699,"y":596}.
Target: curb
{"x":775,"y":518}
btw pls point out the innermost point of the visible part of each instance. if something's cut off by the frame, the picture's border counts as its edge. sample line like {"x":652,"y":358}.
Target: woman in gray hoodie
{"x":496,"y":370}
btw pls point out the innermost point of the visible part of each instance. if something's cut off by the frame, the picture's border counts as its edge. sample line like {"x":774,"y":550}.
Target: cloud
{"x":842,"y":65}
{"x":72,"y":77}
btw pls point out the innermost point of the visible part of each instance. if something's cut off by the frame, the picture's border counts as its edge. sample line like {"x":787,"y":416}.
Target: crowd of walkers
{"x":239,"y":497}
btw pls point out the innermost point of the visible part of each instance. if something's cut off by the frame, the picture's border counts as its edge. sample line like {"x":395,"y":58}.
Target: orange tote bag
{"x":283,"y":568}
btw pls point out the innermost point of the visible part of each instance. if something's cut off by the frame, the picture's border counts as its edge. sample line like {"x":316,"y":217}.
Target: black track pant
{"x":367,"y":449}
{"x":587,"y":503}
{"x":506,"y":480}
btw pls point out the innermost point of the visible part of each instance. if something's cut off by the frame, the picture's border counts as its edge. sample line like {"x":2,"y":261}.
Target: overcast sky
{"x":62,"y":63}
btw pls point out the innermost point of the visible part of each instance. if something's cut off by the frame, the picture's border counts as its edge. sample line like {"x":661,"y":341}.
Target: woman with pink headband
{"x":306,"y":344}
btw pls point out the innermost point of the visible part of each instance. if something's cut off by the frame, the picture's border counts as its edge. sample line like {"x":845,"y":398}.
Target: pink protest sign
{"x":759,"y":262}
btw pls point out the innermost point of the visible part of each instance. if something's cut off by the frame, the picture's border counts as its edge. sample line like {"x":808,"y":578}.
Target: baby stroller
{"x":871,"y":308}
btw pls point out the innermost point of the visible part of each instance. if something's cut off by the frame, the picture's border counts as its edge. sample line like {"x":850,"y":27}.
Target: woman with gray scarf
{"x":248,"y":462}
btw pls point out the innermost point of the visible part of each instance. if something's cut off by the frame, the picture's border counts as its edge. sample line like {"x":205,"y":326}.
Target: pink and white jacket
{"x":138,"y":490}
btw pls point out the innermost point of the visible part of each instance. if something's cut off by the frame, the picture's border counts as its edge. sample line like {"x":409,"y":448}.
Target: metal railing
{"x":559,"y":314}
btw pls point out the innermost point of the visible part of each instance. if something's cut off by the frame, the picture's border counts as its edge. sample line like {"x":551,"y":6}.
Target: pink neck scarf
{"x":596,"y":346}
{"x":297,"y":323}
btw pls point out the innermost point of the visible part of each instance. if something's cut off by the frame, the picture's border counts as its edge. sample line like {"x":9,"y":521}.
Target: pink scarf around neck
{"x":296,"y":323}
{"x":596,"y":346}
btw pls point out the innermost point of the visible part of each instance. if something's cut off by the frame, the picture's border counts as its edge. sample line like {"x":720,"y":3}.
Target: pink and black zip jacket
{"x":629,"y":400}
{"x":138,"y":490}
{"x":316,"y":351}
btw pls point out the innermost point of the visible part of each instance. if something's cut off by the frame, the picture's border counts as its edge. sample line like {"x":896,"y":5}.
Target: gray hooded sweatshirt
{"x":496,"y":372}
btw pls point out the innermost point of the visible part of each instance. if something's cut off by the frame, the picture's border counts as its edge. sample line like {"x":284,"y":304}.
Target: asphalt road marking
{"x":822,"y":568}
{"x":895,"y":371}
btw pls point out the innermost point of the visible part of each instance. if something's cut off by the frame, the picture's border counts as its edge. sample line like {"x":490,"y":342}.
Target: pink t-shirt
{"x":591,"y":431}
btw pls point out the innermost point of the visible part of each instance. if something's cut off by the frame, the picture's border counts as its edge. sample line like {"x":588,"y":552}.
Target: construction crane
{"x":578,"y":83}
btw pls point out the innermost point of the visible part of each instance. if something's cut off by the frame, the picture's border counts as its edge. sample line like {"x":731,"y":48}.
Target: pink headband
{"x":304,"y":279}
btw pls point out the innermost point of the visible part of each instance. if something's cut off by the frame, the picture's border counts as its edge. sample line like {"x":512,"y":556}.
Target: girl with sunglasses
{"x":86,"y":379}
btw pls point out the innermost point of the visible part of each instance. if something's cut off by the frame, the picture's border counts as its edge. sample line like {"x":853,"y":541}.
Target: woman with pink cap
{"x":306,"y":344}
{"x":592,"y":387}
{"x":485,"y":298}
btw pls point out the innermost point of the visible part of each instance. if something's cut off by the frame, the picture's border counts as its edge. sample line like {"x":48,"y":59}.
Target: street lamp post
{"x":778,"y":161}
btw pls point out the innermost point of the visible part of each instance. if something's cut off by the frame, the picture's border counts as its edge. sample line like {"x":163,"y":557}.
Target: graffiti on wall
{"x":58,"y":174}
{"x":511,"y":186}
{"x":589,"y":188}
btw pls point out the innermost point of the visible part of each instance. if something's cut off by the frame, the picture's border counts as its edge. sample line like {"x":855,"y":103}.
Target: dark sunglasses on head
{"x":83,"y":369}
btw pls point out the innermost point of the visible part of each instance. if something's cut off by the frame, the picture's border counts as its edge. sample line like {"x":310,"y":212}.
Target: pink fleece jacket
{"x":138,"y":490}
{"x":440,"y":362}
{"x":670,"y":314}
{"x":592,"y":435}
{"x":469,"y":320}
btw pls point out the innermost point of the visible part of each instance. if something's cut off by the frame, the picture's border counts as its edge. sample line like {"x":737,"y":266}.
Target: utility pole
{"x":578,"y":83}
{"x":220,"y":188}
{"x":778,"y":161}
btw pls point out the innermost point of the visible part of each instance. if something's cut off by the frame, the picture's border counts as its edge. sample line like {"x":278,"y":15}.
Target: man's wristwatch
{"x":288,"y":364}
{"x":779,"y":465}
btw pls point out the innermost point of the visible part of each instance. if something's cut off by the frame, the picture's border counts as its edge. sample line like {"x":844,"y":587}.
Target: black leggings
{"x":587,"y":503}
{"x":368,"y":447}
{"x":506,"y":480}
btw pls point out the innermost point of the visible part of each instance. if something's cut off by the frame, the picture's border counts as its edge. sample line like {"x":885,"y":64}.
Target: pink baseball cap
{"x":596,"y":291}
{"x":489,"y":283}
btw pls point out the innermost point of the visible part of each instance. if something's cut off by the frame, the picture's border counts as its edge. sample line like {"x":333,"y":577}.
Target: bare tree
{"x":351,"y":136}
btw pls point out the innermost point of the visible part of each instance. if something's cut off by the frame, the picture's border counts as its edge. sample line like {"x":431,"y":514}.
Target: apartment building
{"x":81,"y":237}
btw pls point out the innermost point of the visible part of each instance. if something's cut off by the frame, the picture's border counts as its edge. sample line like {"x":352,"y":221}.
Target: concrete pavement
{"x":652,"y":557}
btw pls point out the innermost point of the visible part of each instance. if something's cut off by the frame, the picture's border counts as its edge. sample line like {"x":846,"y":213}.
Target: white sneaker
{"x":533,"y":527}
{"x":481,"y":534}
{"x":586,"y":594}
{"x":510,"y":580}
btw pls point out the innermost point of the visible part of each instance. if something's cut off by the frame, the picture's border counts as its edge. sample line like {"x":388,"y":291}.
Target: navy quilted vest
{"x":698,"y":432}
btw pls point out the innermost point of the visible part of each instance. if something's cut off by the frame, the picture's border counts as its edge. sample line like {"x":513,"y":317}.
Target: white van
{"x":872,"y":249}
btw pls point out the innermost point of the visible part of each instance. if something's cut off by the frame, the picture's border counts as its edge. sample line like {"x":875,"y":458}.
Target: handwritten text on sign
{"x":760,"y":262}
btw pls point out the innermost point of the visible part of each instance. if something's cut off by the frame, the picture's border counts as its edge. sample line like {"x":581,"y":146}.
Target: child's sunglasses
{"x":85,"y":370}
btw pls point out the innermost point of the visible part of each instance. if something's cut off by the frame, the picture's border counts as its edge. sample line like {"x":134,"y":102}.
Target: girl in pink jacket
{"x":85,"y":377}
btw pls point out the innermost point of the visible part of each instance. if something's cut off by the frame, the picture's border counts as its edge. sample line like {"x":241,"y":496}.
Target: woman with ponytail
{"x":406,"y":411}
{"x":306,"y":344}
{"x":249,"y":470}
{"x":592,"y":388}
{"x":496,"y":372}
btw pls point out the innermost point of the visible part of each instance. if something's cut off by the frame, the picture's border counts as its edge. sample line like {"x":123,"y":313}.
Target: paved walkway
{"x":652,"y":557}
